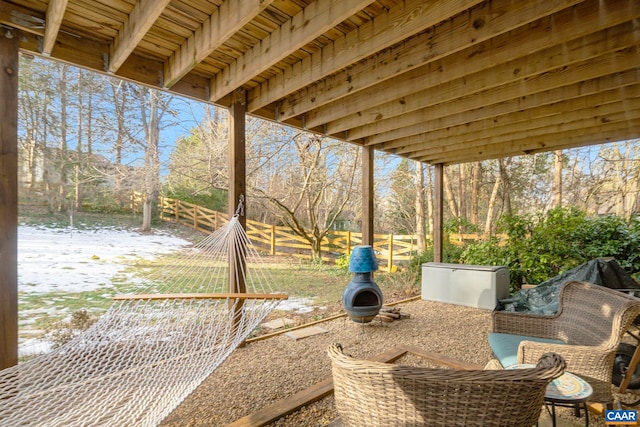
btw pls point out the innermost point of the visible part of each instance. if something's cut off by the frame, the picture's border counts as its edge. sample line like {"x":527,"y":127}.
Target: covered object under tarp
{"x":543,"y":299}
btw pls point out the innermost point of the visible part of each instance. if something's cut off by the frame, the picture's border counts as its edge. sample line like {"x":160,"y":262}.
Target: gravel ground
{"x":264,"y":372}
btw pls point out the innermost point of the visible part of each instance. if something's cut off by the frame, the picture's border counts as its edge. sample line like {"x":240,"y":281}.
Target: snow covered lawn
{"x":62,"y":269}
{"x":55,"y":259}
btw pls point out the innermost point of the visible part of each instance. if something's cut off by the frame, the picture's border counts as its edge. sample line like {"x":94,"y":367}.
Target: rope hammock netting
{"x":149,"y":350}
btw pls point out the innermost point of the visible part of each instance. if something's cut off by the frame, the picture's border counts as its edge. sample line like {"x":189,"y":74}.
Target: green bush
{"x":543,"y":246}
{"x":343,"y":261}
{"x":450,"y":254}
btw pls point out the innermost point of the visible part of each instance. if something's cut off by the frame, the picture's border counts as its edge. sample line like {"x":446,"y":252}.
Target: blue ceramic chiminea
{"x":362,"y":299}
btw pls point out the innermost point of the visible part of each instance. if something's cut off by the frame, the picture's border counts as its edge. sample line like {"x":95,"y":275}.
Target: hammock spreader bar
{"x":200,"y":296}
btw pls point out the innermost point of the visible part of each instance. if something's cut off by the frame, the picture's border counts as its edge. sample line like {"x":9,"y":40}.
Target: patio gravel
{"x":267,"y":371}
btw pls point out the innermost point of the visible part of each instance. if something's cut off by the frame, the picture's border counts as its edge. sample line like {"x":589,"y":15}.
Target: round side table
{"x":568,"y":390}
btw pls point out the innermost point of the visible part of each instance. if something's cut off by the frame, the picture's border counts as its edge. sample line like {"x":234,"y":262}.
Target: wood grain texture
{"x":9,"y":198}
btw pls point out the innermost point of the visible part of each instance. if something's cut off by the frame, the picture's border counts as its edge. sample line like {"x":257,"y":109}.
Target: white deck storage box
{"x":471,"y":285}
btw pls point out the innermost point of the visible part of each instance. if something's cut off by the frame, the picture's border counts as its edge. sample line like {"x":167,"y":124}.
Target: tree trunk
{"x":492,"y":206}
{"x":316,"y":249}
{"x":506,"y":184}
{"x":462,"y":182}
{"x":119,"y":100}
{"x":429,"y":197}
{"x":152,"y":157}
{"x":475,"y":193}
{"x":146,"y":214}
{"x":451,"y":198}
{"x":557,"y":179}
{"x":62,"y":166}
{"x":420,"y":215}
{"x":77,"y":203}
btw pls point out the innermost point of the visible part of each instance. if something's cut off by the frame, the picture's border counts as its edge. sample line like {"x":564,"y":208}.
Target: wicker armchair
{"x":379,"y":394}
{"x":587,"y":328}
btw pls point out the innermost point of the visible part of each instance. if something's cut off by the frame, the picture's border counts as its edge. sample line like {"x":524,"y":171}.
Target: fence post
{"x":176,"y":208}
{"x":273,"y":240}
{"x":390,"y":263}
{"x":348,"y":248}
{"x":195,"y":217}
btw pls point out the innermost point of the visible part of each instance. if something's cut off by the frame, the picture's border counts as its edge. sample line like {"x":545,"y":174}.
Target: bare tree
{"x":199,"y":162}
{"x":38,"y":119}
{"x":493,"y":200}
{"x":449,"y":193}
{"x":151,"y":125}
{"x":318,"y":182}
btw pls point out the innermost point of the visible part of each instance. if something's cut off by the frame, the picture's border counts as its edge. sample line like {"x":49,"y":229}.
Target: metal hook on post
{"x":240,"y":209}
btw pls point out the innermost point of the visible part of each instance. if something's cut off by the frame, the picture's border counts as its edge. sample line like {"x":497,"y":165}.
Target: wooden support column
{"x":237,"y":192}
{"x":367,"y":195}
{"x":8,"y":198}
{"x":237,"y":153}
{"x":437,"y":213}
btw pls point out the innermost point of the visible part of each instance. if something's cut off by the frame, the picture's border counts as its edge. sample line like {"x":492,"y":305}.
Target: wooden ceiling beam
{"x":21,"y":18}
{"x":314,"y":20}
{"x":549,"y":97}
{"x":465,"y":35}
{"x":53,"y":21}
{"x":520,"y":69}
{"x":90,"y":54}
{"x":601,"y":134}
{"x":494,"y":63}
{"x":143,"y":15}
{"x":227,"y":20}
{"x":608,"y":64}
{"x":591,"y":105}
{"x":613,"y":113}
{"x":408,"y":18}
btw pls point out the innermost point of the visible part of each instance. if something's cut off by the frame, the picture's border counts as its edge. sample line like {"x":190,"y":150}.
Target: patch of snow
{"x":297,"y":305}
{"x":34,"y":346}
{"x":71,"y":260}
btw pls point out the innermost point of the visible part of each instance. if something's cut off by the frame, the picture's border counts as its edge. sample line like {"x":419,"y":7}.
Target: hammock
{"x":149,"y":350}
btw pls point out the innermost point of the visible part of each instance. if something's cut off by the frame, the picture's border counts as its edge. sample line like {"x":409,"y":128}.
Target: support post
{"x":237,"y":153}
{"x":273,"y":240}
{"x":237,"y":192}
{"x":437,"y":213}
{"x":390,"y":262}
{"x":8,"y":198}
{"x":367,"y":195}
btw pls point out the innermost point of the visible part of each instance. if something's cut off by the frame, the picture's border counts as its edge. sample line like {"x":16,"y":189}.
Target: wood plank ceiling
{"x":440,"y":81}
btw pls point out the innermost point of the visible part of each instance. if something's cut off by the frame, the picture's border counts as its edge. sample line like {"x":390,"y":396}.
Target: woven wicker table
{"x":568,"y":390}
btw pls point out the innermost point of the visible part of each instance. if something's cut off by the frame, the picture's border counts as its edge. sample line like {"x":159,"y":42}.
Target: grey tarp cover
{"x":543,"y":299}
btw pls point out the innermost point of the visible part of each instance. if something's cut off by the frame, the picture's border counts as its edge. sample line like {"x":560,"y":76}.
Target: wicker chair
{"x":379,"y":394}
{"x":587,"y":329}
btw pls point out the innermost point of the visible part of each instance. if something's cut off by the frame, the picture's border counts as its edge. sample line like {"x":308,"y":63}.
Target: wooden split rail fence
{"x":390,"y":249}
